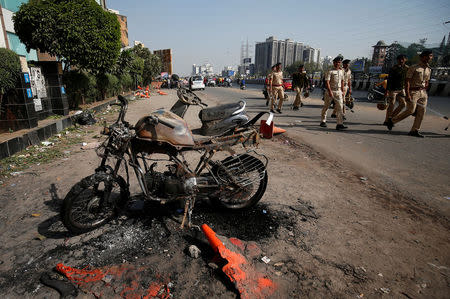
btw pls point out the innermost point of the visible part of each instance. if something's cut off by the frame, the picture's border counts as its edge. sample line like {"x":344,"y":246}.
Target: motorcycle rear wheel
{"x":92,"y":202}
{"x":233,"y":197}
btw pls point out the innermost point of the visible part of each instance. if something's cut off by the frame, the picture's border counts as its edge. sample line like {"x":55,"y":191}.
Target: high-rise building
{"x":284,"y":51}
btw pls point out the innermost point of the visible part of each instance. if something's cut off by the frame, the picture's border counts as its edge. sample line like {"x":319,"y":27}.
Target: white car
{"x":196,"y":82}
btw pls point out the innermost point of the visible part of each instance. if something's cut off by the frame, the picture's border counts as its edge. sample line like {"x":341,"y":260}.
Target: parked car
{"x":287,"y":84}
{"x":211,"y":82}
{"x":196,"y":82}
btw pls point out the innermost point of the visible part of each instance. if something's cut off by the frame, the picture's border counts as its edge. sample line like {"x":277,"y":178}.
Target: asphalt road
{"x":417,"y":167}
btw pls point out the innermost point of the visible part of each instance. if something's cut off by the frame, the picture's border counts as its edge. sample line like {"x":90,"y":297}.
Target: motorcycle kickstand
{"x":188,"y":208}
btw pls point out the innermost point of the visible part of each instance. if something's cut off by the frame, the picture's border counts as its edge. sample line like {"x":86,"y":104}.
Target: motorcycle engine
{"x":164,"y":184}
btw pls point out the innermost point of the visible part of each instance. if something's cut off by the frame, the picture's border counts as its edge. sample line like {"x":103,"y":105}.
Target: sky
{"x":212,"y":31}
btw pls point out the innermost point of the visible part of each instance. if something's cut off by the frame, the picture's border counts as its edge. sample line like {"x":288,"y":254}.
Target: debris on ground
{"x":194,"y":252}
{"x":46,"y":143}
{"x":385,"y":290}
{"x":90,"y":145}
{"x":265,"y":259}
{"x":363,"y":178}
{"x":125,"y":279}
{"x":84,"y":118}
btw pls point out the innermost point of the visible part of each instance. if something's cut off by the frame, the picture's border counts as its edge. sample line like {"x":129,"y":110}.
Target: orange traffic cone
{"x":277,"y":130}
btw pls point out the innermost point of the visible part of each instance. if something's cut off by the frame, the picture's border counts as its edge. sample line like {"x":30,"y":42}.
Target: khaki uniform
{"x":277,"y":89}
{"x":299,"y":82}
{"x":347,"y":77}
{"x":418,"y":76}
{"x":335,"y":77}
{"x":396,"y":90}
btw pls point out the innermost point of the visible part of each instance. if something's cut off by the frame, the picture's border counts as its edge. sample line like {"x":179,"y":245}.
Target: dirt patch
{"x":326,"y":231}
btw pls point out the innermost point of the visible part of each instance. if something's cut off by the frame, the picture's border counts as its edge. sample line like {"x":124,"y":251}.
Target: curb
{"x":36,"y":135}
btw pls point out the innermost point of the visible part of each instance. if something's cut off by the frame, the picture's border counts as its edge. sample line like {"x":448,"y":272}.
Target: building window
{"x":12,"y":5}
{"x":16,"y":46}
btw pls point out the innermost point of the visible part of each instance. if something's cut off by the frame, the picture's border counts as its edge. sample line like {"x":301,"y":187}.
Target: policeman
{"x":276,"y":87}
{"x":417,"y":80}
{"x":268,"y":82}
{"x":300,"y":81}
{"x":347,"y":86}
{"x":334,"y":83}
{"x":395,"y":89}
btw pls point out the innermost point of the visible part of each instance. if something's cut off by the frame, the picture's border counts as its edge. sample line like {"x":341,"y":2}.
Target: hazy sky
{"x":212,"y":31}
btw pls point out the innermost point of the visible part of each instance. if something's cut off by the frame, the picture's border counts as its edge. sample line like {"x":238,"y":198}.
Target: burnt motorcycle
{"x":156,"y":148}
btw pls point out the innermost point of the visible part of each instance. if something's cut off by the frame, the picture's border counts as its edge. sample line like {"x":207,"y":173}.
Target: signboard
{"x":37,"y":104}
{"x":165,"y":75}
{"x":375,"y":69}
{"x":357,"y":66}
{"x":230,"y":73}
{"x":38,"y":82}
{"x":29,"y":93}
{"x":316,"y":76}
{"x":26,"y":77}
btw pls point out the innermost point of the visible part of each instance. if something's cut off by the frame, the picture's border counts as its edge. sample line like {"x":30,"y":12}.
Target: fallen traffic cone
{"x":277,"y":130}
{"x":249,"y":282}
{"x":162,"y":93}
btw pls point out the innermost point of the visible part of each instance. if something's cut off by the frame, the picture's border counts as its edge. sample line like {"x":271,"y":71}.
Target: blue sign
{"x":230,"y":73}
{"x":29,"y":93}
{"x":63,"y":91}
{"x":26,"y":77}
{"x":358,"y":66}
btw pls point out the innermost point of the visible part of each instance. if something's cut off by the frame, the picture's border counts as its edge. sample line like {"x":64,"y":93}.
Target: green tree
{"x":78,"y":31}
{"x":9,"y":70}
{"x":310,"y":67}
{"x":152,"y":63}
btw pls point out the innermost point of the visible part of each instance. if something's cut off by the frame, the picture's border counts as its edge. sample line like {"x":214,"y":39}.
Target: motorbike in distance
{"x":237,"y":181}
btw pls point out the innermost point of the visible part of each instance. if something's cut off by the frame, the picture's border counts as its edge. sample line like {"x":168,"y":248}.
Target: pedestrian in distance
{"x":300,"y":82}
{"x":416,"y":85}
{"x":276,"y":87}
{"x":334,"y":84}
{"x":347,"y":91}
{"x":395,"y":89}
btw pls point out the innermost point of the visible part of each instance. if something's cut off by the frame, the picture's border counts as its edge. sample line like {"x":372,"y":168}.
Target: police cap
{"x":338,"y":58}
{"x":346,"y":61}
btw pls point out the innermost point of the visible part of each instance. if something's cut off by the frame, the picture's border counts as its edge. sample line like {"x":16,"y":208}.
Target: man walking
{"x":276,"y":87}
{"x":334,"y":84}
{"x":347,"y":87}
{"x":395,"y":90}
{"x":417,"y":80}
{"x":268,"y":82}
{"x":300,"y":81}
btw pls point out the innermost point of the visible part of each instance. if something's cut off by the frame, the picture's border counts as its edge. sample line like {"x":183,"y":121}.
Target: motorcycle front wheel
{"x":370,"y":96}
{"x":243,"y":181}
{"x":92,"y":202}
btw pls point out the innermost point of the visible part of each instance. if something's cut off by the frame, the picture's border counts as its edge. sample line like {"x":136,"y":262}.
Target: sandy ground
{"x":328,"y":231}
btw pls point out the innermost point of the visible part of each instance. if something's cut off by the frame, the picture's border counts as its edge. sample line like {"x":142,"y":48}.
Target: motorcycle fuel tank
{"x":180,"y":135}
